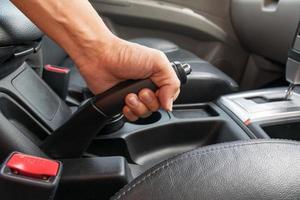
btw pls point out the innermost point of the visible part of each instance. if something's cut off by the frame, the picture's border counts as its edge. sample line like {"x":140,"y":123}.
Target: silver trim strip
{"x":243,"y":106}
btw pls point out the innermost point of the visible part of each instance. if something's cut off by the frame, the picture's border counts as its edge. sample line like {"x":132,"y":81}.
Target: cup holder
{"x":289,"y":131}
{"x":155,"y":117}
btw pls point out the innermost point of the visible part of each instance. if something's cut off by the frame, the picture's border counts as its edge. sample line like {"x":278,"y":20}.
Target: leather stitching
{"x":197,"y":153}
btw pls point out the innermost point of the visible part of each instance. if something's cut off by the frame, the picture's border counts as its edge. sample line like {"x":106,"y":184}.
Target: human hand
{"x":119,"y":60}
{"x":103,"y":59}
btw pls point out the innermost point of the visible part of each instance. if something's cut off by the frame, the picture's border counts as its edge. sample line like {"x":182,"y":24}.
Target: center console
{"x":98,"y":150}
{"x":260,"y":114}
{"x":31,"y":113}
{"x":270,"y":113}
{"x":265,"y":113}
{"x":115,"y":152}
{"x":186,"y":128}
{"x":123,"y":150}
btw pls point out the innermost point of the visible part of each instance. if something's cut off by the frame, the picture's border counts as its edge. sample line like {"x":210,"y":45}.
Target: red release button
{"x":61,"y":70}
{"x":32,"y":166}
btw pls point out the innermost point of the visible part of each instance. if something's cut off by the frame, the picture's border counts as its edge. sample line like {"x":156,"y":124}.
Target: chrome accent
{"x":246,"y":109}
{"x":293,"y":64}
{"x":187,"y":68}
{"x":293,"y":71}
{"x":297,"y":43}
{"x":289,"y":91}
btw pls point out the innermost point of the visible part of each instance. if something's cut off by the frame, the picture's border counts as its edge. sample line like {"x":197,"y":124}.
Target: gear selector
{"x":270,"y":104}
{"x":293,"y":65}
{"x":72,"y":139}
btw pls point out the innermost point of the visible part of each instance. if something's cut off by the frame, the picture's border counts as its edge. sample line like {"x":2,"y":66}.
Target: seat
{"x":255,"y":169}
{"x":206,"y":81}
{"x":15,"y":27}
{"x":18,"y":35}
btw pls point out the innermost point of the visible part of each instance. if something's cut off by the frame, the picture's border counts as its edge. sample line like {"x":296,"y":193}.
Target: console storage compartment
{"x":190,"y":112}
{"x":266,"y":113}
{"x":186,"y":128}
{"x":93,"y":178}
{"x":287,"y":130}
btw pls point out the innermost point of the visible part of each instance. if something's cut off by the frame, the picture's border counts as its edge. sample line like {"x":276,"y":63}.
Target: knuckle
{"x":160,"y":55}
{"x":131,"y":95}
{"x":155,"y":108}
{"x":146,"y":115}
{"x":127,"y":116}
{"x":142,"y":111}
{"x":132,"y":119}
{"x":177,"y":83}
{"x":126,"y":110}
{"x":144,"y":91}
{"x":146,"y":96}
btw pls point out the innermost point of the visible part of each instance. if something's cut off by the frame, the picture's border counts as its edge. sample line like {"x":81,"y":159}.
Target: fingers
{"x":167,"y":81}
{"x":149,"y":99}
{"x":167,"y":95}
{"x":129,"y":114}
{"x":135,"y":105}
{"x":137,"y":108}
{"x":141,"y":105}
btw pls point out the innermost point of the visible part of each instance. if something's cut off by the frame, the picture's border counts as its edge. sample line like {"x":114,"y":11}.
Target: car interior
{"x":233,"y":132}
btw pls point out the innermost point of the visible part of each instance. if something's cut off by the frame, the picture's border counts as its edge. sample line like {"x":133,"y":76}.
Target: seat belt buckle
{"x":58,"y":79}
{"x":26,"y":177}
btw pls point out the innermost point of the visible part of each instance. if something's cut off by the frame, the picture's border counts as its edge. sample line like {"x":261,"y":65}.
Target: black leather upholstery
{"x":205,"y":83}
{"x":15,"y":27}
{"x":257,"y":170}
{"x":156,"y":43}
{"x":173,"y":52}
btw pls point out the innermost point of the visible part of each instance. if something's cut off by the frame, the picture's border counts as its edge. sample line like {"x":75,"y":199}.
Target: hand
{"x":103,"y":59}
{"x":121,"y":60}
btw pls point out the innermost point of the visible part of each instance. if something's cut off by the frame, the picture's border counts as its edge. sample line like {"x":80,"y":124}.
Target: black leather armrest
{"x":15,"y":27}
{"x":205,"y":83}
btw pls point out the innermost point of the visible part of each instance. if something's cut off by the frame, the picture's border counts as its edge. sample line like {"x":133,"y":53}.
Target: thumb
{"x":167,"y":95}
{"x":167,"y":82}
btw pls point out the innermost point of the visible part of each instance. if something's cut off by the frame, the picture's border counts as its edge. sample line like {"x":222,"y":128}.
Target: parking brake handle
{"x":73,"y":138}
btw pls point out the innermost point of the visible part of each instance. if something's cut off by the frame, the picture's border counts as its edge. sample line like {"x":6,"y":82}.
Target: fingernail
{"x":170,"y":106}
{"x":133,"y":101}
{"x":147,"y":98}
{"x":146,"y":115}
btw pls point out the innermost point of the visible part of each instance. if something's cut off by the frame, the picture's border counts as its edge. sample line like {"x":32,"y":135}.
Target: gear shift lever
{"x":293,"y":65}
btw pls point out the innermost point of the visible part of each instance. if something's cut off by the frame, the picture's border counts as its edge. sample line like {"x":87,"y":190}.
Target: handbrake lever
{"x":73,"y":138}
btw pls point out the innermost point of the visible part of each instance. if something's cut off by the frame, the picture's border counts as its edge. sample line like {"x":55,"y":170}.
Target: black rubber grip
{"x":112,"y":101}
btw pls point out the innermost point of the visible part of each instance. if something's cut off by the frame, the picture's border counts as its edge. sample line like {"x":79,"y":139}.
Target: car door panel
{"x":163,"y":15}
{"x":266,"y":27}
{"x":199,"y":32}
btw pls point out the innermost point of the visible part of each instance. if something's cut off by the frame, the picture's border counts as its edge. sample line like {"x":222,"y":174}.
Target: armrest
{"x":93,"y":178}
{"x":205,"y":83}
{"x":15,"y":27}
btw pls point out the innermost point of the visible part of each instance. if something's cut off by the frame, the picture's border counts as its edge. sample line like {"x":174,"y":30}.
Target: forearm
{"x":103,"y":59}
{"x":76,"y":28}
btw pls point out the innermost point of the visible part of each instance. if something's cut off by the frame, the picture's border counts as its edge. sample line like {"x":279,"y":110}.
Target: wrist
{"x":94,"y":51}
